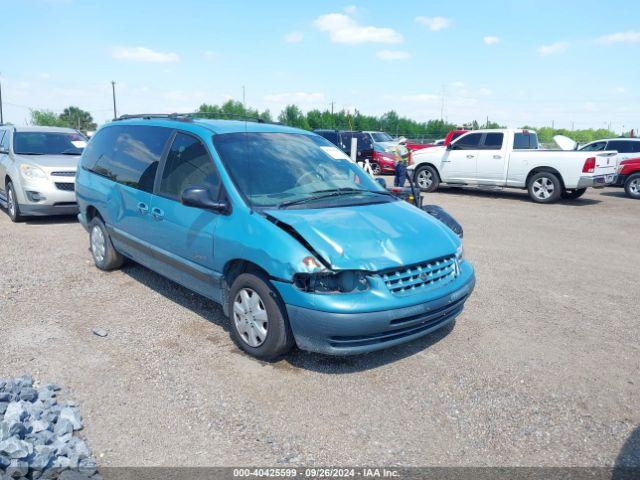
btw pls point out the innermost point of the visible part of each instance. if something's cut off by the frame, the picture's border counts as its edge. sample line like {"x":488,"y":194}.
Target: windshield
{"x":48,"y":143}
{"x":276,"y":169}
{"x":381,"y":137}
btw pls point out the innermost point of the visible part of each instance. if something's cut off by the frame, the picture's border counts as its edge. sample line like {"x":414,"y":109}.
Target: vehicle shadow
{"x":616,"y":194}
{"x":521,"y":196}
{"x":62,"y":219}
{"x":212,"y":312}
{"x":627,"y":464}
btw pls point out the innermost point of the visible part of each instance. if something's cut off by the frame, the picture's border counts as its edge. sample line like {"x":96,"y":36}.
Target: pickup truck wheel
{"x":104,"y":255}
{"x":573,"y":194}
{"x":427,"y":178}
{"x":544,"y":187}
{"x":258,"y":318}
{"x":632,"y":186}
{"x":13,"y":209}
{"x":375,"y":168}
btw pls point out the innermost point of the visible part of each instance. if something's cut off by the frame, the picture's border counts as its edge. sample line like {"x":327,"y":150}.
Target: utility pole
{"x":553,"y":125}
{"x":572,"y":129}
{"x":244,"y":104}
{"x":113,"y":90}
{"x":332,"y":109}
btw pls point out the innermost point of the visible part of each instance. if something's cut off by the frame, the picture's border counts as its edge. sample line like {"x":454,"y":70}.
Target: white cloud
{"x":553,"y":48}
{"x":630,"y":36}
{"x":209,"y":55}
{"x":491,"y":40}
{"x":293,"y":37}
{"x":434,"y":23}
{"x":620,"y":90}
{"x":143,"y":54}
{"x":344,"y":29}
{"x":393,"y":55}
{"x":350,"y":9}
{"x":295,"y":97}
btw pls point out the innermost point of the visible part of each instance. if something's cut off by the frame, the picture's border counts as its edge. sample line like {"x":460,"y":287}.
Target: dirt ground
{"x":541,"y":368}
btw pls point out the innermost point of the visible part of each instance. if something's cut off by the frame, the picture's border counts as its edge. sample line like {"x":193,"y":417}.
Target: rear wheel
{"x":375,"y":168}
{"x":573,"y":194}
{"x":632,"y":186}
{"x":13,"y":209}
{"x":258,"y":318}
{"x":544,"y":187}
{"x":427,"y":178}
{"x":104,"y":255}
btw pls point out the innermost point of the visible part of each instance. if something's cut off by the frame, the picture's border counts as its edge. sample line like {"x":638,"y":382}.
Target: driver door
{"x":184,"y":236}
{"x":460,"y":159}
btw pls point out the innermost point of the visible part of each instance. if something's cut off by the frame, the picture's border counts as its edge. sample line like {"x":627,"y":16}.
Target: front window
{"x":289,"y":170}
{"x":48,"y":143}
{"x":381,"y":137}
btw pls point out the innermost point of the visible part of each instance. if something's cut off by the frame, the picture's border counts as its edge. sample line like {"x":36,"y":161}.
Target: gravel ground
{"x":540,"y":369}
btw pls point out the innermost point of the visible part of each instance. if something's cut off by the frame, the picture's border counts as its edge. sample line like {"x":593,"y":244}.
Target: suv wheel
{"x":258,"y":318}
{"x":104,"y":255}
{"x":632,"y":186}
{"x":544,"y":187}
{"x":13,"y":209}
{"x":427,"y":178}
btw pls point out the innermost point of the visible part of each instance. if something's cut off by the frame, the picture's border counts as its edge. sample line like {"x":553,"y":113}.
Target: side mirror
{"x":200,"y":197}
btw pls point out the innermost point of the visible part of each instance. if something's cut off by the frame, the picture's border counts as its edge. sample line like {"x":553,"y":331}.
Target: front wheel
{"x":427,"y":178}
{"x":13,"y":209}
{"x":544,"y":187}
{"x":104,"y":255}
{"x":375,"y":168}
{"x":258,"y":318}
{"x":573,"y":194}
{"x":632,"y":186}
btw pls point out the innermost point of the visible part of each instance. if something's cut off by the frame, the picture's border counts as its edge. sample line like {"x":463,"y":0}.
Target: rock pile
{"x":37,"y":434}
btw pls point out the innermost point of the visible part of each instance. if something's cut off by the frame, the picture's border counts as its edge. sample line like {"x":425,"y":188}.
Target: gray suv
{"x":38,"y":169}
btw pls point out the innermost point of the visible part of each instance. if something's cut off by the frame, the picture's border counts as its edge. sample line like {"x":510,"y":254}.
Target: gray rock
{"x":88,"y":466}
{"x":72,"y":415}
{"x":101,"y":332}
{"x":40,"y":425}
{"x":43,"y":438}
{"x":28,"y":394}
{"x":6,"y":397}
{"x":42,"y":457}
{"x":15,"y":411}
{"x":3,"y":407}
{"x":73,"y":475}
{"x":63,"y":427}
{"x":61,"y":462}
{"x":77,"y":446}
{"x":25,"y":380}
{"x":5,"y":460}
{"x":15,"y":448}
{"x":52,"y":386}
{"x":15,"y":429}
{"x":17,"y":468}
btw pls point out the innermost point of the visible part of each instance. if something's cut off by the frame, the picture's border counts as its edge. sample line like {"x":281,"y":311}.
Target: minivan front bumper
{"x":348,"y":332}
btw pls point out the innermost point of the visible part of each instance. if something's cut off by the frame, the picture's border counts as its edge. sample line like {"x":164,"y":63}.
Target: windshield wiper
{"x":70,"y":153}
{"x":29,"y":153}
{"x":330,"y":192}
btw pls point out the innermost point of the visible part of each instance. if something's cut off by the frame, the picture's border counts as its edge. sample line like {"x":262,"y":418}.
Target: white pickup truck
{"x":511,"y":158}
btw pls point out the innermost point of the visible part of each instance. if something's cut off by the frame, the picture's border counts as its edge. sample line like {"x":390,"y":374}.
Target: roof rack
{"x":187,"y":117}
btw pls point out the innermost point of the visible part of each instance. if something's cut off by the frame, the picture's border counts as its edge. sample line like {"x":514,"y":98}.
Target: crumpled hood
{"x":371,"y":237}
{"x":50,"y":161}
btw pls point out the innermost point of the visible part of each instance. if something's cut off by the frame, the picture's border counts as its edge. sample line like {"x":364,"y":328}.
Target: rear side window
{"x":127,"y":154}
{"x":493,"y":141}
{"x":624,"y":146}
{"x":468,"y":142}
{"x":188,"y":164}
{"x":525,"y":141}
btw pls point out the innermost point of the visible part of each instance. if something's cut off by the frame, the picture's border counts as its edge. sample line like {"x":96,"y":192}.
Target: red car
{"x":629,"y":177}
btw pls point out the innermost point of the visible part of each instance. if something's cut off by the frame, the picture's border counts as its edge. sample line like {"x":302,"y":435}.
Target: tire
{"x":632,"y":186}
{"x":258,"y":319}
{"x":13,"y":208}
{"x":544,"y":187}
{"x":573,"y":194}
{"x":375,"y":168}
{"x":104,"y":255}
{"x":427,"y":179}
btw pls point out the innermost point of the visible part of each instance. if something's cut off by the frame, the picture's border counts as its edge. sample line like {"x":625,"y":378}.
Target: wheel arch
{"x":542,"y":170}
{"x":232,"y":269}
{"x":422,"y":165}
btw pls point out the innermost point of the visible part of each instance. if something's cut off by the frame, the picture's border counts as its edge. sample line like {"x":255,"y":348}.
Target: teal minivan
{"x":298,"y":244}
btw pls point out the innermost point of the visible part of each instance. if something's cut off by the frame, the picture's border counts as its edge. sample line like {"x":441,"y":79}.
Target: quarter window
{"x":4,"y":143}
{"x":188,"y":164}
{"x":622,"y":146}
{"x":127,"y":154}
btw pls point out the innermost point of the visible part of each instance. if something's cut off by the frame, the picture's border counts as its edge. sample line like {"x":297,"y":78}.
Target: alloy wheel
{"x":98,"y":244}
{"x":425,"y":179}
{"x":250,"y":317}
{"x":634,"y":187}
{"x":543,"y":188}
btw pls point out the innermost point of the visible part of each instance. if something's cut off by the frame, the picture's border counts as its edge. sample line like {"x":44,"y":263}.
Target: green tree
{"x":74,"y":117}
{"x":293,"y":116}
{"x":46,"y":118}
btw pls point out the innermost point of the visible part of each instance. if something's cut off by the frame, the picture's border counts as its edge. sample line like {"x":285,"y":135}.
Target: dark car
{"x":342,"y":139}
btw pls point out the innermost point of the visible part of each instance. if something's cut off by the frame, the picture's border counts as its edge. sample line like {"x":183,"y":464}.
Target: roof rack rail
{"x":186,"y":117}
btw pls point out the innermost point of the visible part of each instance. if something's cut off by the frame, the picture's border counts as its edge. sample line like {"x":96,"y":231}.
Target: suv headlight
{"x":346,"y":281}
{"x":31,"y":172}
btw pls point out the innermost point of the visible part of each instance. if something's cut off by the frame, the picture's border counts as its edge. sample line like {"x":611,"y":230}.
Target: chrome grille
{"x":416,"y":278}
{"x":63,"y":174}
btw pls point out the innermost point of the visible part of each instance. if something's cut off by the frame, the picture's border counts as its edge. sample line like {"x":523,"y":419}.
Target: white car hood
{"x":565,"y":143}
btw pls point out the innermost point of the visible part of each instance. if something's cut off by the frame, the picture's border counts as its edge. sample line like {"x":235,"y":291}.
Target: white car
{"x":626,"y":147}
{"x":511,"y":158}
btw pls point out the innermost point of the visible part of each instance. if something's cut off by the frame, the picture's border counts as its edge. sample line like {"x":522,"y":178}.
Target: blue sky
{"x":515,"y":62}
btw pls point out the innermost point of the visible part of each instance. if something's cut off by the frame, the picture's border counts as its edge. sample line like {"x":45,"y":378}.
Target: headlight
{"x":460,"y":253}
{"x":346,"y":281}
{"x":31,"y":172}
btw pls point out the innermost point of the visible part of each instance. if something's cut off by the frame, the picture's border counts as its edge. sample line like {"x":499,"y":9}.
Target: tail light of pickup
{"x":589,"y":165}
